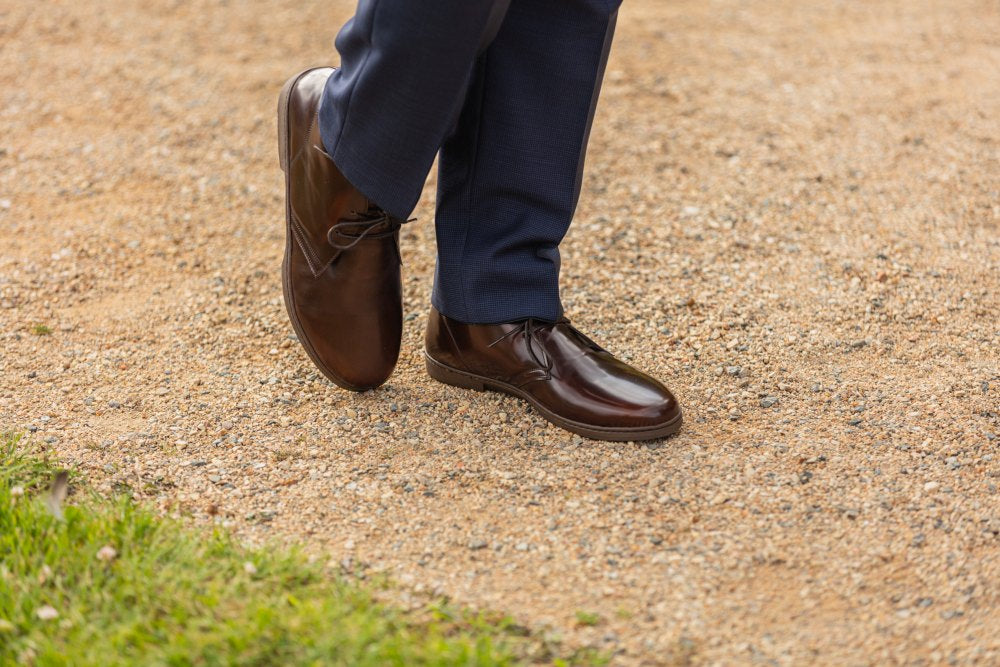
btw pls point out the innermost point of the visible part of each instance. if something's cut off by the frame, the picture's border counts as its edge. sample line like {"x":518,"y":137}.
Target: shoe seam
{"x":454,"y":344}
{"x":312,"y":258}
{"x":313,"y":116}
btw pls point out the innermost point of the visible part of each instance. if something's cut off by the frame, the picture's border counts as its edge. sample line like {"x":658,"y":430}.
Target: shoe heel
{"x":286,"y":91}
{"x":446,"y":375}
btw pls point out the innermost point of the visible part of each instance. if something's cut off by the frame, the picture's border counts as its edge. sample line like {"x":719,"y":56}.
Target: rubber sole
{"x":284,"y":158}
{"x":457,"y":378}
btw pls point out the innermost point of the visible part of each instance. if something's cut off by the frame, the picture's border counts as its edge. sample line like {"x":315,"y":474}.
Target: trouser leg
{"x":510,"y":172}
{"x":405,"y":68}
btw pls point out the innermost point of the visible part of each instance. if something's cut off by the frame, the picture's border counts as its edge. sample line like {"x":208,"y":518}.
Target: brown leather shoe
{"x":341,"y":269}
{"x":567,"y":377}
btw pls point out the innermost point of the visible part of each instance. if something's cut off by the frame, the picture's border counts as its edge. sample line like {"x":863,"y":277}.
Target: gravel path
{"x":792,"y":214}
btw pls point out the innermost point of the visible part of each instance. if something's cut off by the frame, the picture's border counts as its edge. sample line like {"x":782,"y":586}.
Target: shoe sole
{"x":456,"y":378}
{"x":284,"y":159}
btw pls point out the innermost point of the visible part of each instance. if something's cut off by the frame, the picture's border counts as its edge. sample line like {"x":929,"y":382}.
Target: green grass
{"x":170,"y":594}
{"x":41,"y":330}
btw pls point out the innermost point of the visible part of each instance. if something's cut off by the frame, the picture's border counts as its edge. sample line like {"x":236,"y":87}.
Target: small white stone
{"x":107,"y":553}
{"x":47,"y":613}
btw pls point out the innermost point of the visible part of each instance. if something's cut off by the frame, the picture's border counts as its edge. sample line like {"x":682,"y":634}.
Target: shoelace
{"x":530,"y":326}
{"x":370,"y":220}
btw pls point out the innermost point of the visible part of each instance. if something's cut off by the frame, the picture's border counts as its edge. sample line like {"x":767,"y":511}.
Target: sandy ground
{"x":793,"y":204}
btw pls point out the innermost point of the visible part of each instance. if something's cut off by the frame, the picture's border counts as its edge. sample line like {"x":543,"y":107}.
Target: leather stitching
{"x":316,"y":265}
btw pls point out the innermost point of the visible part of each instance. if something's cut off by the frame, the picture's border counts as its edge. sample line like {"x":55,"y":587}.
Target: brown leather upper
{"x":557,"y":366}
{"x":342,"y":268}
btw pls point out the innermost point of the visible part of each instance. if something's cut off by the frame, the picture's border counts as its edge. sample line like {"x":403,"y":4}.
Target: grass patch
{"x":41,"y":330}
{"x":112,"y":584}
{"x":623,"y":613}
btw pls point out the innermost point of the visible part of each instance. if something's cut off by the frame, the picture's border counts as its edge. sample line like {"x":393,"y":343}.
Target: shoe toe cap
{"x":650,"y":404}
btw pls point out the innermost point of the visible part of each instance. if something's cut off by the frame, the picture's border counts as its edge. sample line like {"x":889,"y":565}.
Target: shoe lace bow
{"x":530,"y":327}
{"x":366,"y":223}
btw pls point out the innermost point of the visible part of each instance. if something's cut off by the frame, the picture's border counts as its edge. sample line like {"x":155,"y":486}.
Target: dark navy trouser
{"x":505,"y":90}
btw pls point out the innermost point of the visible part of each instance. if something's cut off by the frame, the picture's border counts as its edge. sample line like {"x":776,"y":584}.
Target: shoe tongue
{"x":357,"y":205}
{"x":362,"y":203}
{"x":369,"y":214}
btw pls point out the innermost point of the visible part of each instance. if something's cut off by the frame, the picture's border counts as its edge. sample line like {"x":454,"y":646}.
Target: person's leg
{"x":510,"y":178}
{"x":510,"y":173}
{"x":355,"y":145}
{"x":404,"y":70}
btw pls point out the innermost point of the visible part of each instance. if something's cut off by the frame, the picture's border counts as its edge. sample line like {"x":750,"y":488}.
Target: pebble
{"x":768,"y":401}
{"x":46,"y":613}
{"x":107,"y":553}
